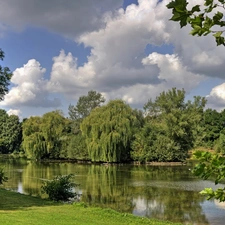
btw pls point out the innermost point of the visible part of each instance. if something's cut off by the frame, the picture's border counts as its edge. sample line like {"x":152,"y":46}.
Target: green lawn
{"x":21,"y":209}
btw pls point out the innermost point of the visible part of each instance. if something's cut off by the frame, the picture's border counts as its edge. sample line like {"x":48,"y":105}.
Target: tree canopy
{"x":43,"y":136}
{"x":169,"y":131}
{"x":85,"y":105}
{"x":5,"y":76}
{"x":10,"y":132}
{"x":108,"y":132}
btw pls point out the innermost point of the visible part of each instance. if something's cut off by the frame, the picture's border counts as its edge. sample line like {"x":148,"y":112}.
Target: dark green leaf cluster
{"x":10,"y":133}
{"x":203,"y":21}
{"x":85,"y":105}
{"x":60,"y":188}
{"x":5,"y":76}
{"x":170,"y":129}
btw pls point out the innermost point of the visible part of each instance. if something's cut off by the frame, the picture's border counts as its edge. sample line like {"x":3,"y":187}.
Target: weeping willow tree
{"x":33,"y":143}
{"x":44,"y":137}
{"x":35,"y":146}
{"x":54,"y":127}
{"x":108,"y":132}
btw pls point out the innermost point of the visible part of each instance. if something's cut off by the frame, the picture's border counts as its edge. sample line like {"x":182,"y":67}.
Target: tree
{"x":213,"y":126}
{"x":85,"y":105}
{"x":10,"y":132}
{"x":5,"y":76}
{"x":53,"y":128}
{"x":76,"y":148}
{"x":108,"y":132}
{"x":33,"y":144}
{"x":203,"y":20}
{"x":172,"y":123}
{"x":44,"y":137}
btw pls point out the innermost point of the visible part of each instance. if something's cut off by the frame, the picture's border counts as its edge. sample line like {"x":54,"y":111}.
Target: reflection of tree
{"x":36,"y":172}
{"x":171,"y":204}
{"x":107,"y":186}
{"x":167,"y":202}
{"x":14,"y":169}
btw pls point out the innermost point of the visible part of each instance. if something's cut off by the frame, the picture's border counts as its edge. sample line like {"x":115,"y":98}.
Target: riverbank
{"x":21,"y":209}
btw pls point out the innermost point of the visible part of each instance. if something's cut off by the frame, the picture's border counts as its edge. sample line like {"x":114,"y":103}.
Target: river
{"x":163,"y":192}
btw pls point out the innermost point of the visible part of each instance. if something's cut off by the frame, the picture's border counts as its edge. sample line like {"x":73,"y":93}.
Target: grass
{"x":21,"y":209}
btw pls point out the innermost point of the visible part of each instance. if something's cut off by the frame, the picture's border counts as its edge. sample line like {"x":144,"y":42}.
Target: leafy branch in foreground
{"x":211,"y":165}
{"x":60,"y":188}
{"x":204,"y":21}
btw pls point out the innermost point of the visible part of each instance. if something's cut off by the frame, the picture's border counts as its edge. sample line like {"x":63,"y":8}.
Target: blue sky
{"x":123,"y":49}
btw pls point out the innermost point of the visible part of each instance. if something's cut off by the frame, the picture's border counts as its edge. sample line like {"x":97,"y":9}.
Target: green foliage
{"x":213,"y":125}
{"x":203,"y":21}
{"x":53,"y":127}
{"x":10,"y":133}
{"x":221,"y":144}
{"x":211,"y":166}
{"x":5,"y":76}
{"x":43,"y":137}
{"x":171,"y":126}
{"x":85,"y":105}
{"x":60,"y":188}
{"x":76,"y":148}
{"x":3,"y":178}
{"x":108,"y":132}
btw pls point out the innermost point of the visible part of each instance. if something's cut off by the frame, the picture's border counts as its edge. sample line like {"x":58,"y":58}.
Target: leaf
{"x":220,"y":40}
{"x":171,"y":5}
{"x":176,"y":17}
{"x":218,"y":16}
{"x":196,"y":8}
{"x":208,"y":2}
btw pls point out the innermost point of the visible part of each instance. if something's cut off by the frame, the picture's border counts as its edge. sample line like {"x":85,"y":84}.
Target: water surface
{"x":164,"y":192}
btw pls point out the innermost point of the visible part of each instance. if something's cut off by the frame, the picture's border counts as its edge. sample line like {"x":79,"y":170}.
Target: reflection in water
{"x":20,"y":188}
{"x":169,"y":193}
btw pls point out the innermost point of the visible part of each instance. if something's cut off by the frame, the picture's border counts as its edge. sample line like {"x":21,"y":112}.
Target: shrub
{"x":60,"y":188}
{"x":3,"y":178}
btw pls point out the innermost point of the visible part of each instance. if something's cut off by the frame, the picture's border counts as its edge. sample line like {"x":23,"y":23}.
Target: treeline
{"x":165,"y":130}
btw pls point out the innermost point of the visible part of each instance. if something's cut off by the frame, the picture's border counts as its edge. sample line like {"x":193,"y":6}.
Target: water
{"x":164,"y":192}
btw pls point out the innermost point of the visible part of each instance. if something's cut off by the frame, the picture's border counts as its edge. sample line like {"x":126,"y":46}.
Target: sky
{"x":128,"y":49}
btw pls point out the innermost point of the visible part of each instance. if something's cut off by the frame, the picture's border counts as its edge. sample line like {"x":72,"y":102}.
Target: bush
{"x":60,"y":188}
{"x":3,"y":178}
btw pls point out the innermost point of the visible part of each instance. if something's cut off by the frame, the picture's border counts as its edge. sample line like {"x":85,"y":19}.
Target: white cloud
{"x":16,"y":112}
{"x":173,"y":72}
{"x":29,"y":88}
{"x":216,"y":98}
{"x":117,"y":66}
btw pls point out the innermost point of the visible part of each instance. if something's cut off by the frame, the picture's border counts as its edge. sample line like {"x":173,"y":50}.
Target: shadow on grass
{"x":12,"y":201}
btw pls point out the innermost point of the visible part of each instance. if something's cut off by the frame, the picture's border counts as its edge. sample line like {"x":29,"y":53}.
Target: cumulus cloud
{"x":16,"y":112}
{"x":30,"y":88}
{"x":117,"y":65}
{"x":216,"y":98}
{"x":199,"y":54}
{"x":68,"y":18}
